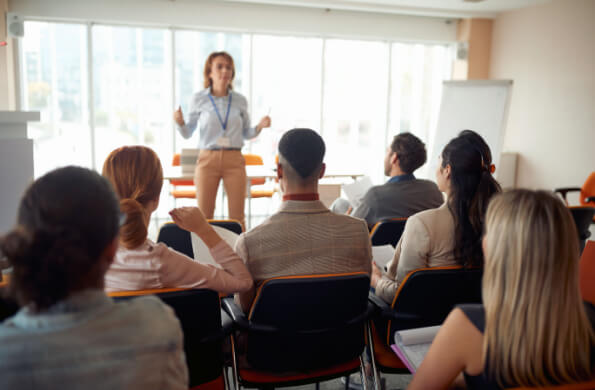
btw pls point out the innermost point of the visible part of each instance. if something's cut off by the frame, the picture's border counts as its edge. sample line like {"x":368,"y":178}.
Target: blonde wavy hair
{"x":537,"y":332}
{"x":136,"y":174}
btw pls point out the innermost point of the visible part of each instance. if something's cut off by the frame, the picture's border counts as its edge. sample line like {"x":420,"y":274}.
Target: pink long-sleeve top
{"x":155,"y":265}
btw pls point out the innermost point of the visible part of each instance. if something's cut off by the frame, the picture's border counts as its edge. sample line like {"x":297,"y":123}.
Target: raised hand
{"x":264,"y":123}
{"x":179,"y":117}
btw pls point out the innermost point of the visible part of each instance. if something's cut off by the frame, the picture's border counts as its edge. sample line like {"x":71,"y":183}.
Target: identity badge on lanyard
{"x":223,"y":124}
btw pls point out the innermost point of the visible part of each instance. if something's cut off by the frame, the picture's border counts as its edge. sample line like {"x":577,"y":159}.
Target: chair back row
{"x":179,"y":239}
{"x":313,"y":321}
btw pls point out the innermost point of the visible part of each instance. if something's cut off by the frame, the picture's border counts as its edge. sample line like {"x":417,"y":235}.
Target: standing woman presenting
{"x":222,"y":117}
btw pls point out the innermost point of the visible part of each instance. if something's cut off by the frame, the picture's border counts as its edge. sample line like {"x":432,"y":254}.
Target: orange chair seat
{"x":5,"y":280}
{"x":187,"y":194}
{"x":385,"y":357}
{"x":257,"y":181}
{"x":216,"y":384}
{"x":256,"y":376}
{"x":261,"y":193}
{"x":181,"y":182}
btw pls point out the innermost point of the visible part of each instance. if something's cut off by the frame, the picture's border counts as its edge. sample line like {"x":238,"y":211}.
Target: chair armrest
{"x":378,"y":302}
{"x":227,"y":323}
{"x":564,"y":190}
{"x":235,"y":312}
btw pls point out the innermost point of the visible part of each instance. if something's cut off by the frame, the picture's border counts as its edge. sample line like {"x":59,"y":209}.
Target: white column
{"x":16,"y":163}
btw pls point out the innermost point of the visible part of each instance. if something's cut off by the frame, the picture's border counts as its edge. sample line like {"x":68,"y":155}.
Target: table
{"x":253,"y":172}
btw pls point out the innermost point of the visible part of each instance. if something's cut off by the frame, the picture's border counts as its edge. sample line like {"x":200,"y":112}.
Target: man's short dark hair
{"x":411,"y":151}
{"x":304,"y":150}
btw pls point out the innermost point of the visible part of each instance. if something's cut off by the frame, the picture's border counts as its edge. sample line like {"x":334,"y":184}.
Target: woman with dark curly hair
{"x":68,"y":333}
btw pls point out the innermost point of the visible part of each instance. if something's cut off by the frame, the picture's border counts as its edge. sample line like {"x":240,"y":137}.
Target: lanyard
{"x":223,"y":124}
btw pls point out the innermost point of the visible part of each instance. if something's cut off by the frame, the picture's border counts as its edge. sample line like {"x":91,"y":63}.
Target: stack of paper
{"x":355,"y":191}
{"x":412,"y":345}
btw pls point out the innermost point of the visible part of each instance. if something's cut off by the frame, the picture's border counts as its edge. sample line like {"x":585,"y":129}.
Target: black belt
{"x":224,"y":149}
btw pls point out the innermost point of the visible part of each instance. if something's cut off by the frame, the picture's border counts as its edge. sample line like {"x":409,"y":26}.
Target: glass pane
{"x":192,"y":50}
{"x":417,"y":73}
{"x":287,"y":84}
{"x":132,"y":89}
{"x":54,"y":69}
{"x":355,"y":103}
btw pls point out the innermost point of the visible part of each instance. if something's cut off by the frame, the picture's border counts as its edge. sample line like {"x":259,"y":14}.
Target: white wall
{"x":222,"y":15}
{"x":549,"y":52}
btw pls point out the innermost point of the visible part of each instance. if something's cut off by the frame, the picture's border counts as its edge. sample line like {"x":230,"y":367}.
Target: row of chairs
{"x":305,"y":329}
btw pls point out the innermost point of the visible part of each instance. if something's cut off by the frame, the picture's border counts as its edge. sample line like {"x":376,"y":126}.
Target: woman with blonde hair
{"x":222,"y":117}
{"x":533,"y":328}
{"x":137,"y":177}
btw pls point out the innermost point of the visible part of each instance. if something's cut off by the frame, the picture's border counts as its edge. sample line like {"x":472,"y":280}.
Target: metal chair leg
{"x":234,"y":367}
{"x":362,"y":373}
{"x":377,"y":384}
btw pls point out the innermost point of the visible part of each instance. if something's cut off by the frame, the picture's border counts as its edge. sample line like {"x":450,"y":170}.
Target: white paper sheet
{"x":201,"y":251}
{"x":382,"y":254}
{"x":355,"y":191}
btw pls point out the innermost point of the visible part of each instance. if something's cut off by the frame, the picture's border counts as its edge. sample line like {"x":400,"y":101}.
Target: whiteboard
{"x":478,"y":105}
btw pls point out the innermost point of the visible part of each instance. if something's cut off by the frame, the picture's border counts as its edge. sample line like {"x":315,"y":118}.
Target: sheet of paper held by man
{"x":355,"y":191}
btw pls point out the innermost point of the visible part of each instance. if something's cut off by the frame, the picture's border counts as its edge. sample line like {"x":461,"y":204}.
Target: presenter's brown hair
{"x":209,"y":63}
{"x":136,"y":174}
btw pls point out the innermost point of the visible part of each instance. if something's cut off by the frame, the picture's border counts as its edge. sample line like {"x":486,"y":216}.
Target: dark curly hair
{"x":65,"y":220}
{"x":472,"y":186}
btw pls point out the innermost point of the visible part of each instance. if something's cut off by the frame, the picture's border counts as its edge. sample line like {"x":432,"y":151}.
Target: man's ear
{"x":322,"y":171}
{"x":279,"y":171}
{"x":393,"y":158}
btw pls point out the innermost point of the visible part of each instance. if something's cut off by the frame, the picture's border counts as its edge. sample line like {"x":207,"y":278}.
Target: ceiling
{"x":440,"y":8}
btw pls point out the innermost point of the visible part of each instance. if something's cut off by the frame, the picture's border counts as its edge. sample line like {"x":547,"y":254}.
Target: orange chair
{"x":177,"y":193}
{"x":302,"y":329}
{"x":587,"y":273}
{"x":260,"y":191}
{"x":424,"y":298}
{"x":587,"y":192}
{"x":204,"y":325}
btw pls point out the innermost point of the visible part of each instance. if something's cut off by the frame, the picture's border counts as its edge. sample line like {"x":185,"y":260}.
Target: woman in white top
{"x":137,"y":177}
{"x":450,"y":234}
{"x":224,"y":122}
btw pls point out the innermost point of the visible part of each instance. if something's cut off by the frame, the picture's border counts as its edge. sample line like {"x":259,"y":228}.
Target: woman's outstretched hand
{"x":264,"y":123}
{"x":179,"y":117}
{"x":193,"y":220}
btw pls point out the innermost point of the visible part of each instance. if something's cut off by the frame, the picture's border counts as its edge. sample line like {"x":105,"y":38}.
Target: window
{"x":132,"y":89}
{"x":358,"y":94}
{"x":354,"y":119}
{"x":54,"y":71}
{"x":286,"y":84}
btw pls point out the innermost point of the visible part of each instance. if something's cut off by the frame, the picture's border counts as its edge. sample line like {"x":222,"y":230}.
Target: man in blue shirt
{"x":402,"y":195}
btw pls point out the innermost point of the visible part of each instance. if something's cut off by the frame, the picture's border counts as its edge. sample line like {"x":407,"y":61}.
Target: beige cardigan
{"x":427,"y":241}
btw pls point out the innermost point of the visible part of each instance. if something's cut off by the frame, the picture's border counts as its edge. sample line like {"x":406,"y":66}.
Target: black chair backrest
{"x":318,"y":319}
{"x":177,"y":238}
{"x":230,"y":225}
{"x":388,"y":231}
{"x":583,"y":217}
{"x":199,"y":312}
{"x":427,"y":295}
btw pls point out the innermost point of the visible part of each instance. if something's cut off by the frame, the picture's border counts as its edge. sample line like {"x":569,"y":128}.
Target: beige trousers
{"x":211,"y":167}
